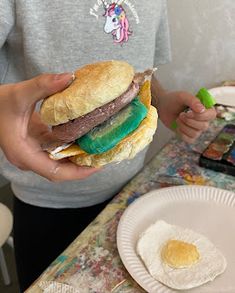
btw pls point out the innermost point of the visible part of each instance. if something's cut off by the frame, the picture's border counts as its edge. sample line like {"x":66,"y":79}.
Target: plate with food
{"x":180,"y":238}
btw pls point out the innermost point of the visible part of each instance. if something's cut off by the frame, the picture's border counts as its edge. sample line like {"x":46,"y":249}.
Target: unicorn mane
{"x":118,"y":10}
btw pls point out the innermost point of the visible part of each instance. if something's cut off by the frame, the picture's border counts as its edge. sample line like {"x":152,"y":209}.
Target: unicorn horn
{"x":119,"y":2}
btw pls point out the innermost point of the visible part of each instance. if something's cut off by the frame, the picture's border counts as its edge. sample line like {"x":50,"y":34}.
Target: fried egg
{"x":179,"y":258}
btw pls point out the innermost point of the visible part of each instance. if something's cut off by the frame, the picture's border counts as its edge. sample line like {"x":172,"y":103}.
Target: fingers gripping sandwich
{"x":104,"y":116}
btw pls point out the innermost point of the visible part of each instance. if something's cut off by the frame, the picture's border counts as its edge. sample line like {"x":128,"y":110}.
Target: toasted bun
{"x":127,"y":148}
{"x":94,"y":86}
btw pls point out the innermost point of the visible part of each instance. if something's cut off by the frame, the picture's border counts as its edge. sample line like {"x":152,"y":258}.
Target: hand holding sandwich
{"x":20,"y":128}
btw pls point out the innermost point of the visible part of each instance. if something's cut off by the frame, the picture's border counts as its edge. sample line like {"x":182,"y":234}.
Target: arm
{"x":157,"y":91}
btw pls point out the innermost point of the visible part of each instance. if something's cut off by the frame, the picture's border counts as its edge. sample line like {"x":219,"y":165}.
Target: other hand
{"x":190,"y":124}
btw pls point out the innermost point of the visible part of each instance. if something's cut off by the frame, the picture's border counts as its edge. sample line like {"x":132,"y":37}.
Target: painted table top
{"x":92,"y":263}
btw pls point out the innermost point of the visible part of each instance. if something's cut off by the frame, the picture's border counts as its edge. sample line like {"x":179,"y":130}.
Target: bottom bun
{"x":127,"y":148}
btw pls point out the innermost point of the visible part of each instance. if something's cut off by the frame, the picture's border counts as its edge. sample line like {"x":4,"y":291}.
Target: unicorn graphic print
{"x":116,"y":21}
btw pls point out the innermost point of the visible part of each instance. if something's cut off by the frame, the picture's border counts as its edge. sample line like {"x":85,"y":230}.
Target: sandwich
{"x":104,"y":116}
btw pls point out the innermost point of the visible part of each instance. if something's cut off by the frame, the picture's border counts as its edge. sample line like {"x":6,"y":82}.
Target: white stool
{"x":6,"y":223}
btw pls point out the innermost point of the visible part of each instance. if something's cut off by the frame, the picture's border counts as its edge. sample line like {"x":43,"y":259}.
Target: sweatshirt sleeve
{"x":6,"y":19}
{"x":162,"y":44}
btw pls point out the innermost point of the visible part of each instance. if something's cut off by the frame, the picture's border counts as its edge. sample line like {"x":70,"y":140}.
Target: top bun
{"x":94,"y":86}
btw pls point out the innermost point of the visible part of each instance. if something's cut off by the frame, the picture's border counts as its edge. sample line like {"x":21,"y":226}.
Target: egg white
{"x":211,"y":263}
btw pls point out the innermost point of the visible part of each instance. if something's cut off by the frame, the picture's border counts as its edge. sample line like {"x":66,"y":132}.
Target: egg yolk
{"x":179,"y":254}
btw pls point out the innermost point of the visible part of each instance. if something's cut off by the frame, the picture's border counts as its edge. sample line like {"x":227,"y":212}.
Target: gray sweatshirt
{"x":60,"y":36}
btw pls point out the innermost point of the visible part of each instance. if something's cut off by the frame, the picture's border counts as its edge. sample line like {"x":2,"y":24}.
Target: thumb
{"x":192,"y":102}
{"x":42,"y":86}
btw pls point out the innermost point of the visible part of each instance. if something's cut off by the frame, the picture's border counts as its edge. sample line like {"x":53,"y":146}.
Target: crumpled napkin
{"x":55,"y":287}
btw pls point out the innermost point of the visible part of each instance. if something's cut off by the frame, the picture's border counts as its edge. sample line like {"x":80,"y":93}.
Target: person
{"x":41,"y":44}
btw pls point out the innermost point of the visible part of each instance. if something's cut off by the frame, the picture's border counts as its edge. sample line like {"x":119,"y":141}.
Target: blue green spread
{"x":108,"y":134}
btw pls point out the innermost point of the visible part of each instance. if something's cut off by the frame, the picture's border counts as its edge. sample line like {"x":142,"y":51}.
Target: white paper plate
{"x":224,"y":95}
{"x":207,"y":210}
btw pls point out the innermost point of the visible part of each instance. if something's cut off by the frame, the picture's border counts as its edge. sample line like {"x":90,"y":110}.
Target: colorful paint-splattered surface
{"x":220,"y":154}
{"x":91,"y":263}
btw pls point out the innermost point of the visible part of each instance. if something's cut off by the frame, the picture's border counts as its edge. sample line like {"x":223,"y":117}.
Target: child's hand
{"x":21,"y":131}
{"x":171,"y":108}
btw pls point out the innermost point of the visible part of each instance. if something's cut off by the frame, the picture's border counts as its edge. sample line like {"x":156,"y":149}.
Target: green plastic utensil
{"x":205,"y":98}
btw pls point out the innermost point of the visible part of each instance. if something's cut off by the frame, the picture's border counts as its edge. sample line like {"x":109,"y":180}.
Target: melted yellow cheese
{"x":179,"y":254}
